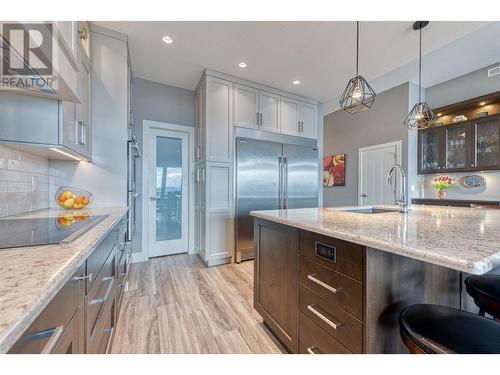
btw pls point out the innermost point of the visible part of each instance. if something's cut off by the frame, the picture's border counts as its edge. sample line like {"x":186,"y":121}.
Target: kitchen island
{"x":333,"y":280}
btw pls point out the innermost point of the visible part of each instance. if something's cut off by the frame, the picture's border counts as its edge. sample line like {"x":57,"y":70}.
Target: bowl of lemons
{"x":71,"y":198}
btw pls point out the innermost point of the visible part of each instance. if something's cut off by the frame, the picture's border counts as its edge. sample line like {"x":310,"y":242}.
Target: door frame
{"x":398,"y":144}
{"x":148,"y":125}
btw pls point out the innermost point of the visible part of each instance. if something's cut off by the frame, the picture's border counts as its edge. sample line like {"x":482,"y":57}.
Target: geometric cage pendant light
{"x":421,"y":116}
{"x":358,"y":95}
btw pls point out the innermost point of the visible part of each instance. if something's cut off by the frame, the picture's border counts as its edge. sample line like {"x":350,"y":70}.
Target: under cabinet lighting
{"x":65,"y":153}
{"x":167,"y":40}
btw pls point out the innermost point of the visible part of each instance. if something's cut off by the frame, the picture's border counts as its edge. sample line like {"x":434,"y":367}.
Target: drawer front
{"x":336,"y":288}
{"x":48,"y":328}
{"x":343,"y":327}
{"x":70,"y":342}
{"x":96,"y":260}
{"x":100,"y":341}
{"x":100,"y":294}
{"x":313,"y":340}
{"x":122,"y":278}
{"x":341,"y":256}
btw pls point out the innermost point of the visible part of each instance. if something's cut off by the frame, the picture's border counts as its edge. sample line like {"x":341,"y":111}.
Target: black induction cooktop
{"x":45,"y":230}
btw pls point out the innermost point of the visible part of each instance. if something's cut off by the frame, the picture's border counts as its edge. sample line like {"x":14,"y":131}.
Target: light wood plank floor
{"x":175,"y":304}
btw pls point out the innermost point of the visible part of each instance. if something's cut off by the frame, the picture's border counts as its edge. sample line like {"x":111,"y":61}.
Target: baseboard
{"x":216,"y":261}
{"x":139,"y":257}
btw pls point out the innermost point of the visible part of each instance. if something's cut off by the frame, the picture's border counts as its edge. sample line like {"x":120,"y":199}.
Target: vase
{"x":441,"y":194}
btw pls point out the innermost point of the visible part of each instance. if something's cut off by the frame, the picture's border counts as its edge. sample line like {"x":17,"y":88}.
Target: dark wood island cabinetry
{"x":319,"y":294}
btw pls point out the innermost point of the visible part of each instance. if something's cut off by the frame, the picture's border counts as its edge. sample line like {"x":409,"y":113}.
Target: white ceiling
{"x":320,"y":54}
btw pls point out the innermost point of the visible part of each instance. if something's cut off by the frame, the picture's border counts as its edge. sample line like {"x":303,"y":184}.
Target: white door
{"x":246,"y":101}
{"x":168,"y":192}
{"x":290,"y":118}
{"x":308,"y":118}
{"x":374,"y":164}
{"x":269,"y":107}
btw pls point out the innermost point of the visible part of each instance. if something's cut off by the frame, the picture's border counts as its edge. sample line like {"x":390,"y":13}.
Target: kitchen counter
{"x":31,"y":276}
{"x":463,"y":239}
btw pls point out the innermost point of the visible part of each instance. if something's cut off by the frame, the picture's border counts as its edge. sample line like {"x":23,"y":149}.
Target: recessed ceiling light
{"x":167,"y":40}
{"x":242,"y":64}
{"x":296,"y":82}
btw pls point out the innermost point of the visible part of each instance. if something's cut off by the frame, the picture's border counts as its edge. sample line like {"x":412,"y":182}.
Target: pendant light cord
{"x":357,"y":46}
{"x":420,"y":70}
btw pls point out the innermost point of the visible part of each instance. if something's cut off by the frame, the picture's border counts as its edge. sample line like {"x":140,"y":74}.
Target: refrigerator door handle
{"x":285,"y":182}
{"x":280,"y":182}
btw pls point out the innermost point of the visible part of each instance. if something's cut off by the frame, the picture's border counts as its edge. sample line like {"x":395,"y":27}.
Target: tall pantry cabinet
{"x":214,"y":168}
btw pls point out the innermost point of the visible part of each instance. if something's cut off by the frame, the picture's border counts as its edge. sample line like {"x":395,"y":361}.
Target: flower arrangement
{"x":441,"y":184}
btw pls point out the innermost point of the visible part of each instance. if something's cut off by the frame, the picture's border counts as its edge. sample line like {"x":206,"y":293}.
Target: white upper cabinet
{"x":290,"y":116}
{"x":246,"y":106}
{"x":219,"y":122}
{"x":308,"y":119}
{"x":269,"y":109}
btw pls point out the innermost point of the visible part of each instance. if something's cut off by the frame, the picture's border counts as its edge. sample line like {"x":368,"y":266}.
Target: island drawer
{"x":99,"y":295}
{"x":46,"y":331}
{"x":314,"y":340}
{"x":338,"y":289}
{"x":340,"y":325}
{"x":338,"y":255}
{"x":96,"y":260}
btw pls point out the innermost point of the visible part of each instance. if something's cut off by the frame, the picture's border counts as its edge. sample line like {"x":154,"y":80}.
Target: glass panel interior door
{"x":430,"y":151}
{"x":169,"y":192}
{"x":168,"y":188}
{"x":456,"y":147}
{"x":487,"y":143}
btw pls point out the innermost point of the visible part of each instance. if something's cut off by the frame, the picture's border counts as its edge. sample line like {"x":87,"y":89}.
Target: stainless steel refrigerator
{"x":271,"y":176}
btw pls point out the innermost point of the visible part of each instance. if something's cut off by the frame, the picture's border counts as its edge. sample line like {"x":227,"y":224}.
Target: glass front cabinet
{"x":460,"y":147}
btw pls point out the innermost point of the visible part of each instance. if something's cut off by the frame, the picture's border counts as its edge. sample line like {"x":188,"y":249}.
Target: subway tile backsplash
{"x":24,"y":182}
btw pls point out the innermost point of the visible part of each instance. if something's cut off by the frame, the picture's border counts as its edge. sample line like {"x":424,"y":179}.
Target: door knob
{"x":364,"y":195}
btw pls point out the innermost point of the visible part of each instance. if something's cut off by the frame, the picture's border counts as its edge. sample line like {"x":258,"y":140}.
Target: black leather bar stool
{"x":433,"y":329}
{"x":485,"y":289}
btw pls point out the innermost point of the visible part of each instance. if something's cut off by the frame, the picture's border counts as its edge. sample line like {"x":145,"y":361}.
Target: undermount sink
{"x":366,"y":210}
{"x":371,"y":211}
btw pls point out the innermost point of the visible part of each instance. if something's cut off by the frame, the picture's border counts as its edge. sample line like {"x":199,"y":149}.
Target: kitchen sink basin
{"x":366,"y":210}
{"x":371,"y":211}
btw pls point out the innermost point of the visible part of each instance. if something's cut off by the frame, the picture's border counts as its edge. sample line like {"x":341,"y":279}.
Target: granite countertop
{"x":31,"y":276}
{"x":464,"y":239}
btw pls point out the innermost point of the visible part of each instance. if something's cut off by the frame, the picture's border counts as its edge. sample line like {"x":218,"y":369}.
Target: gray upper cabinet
{"x":269,"y":109}
{"x":246,"y":106}
{"x":83,"y":124}
{"x":308,"y":119}
{"x":290,"y":116}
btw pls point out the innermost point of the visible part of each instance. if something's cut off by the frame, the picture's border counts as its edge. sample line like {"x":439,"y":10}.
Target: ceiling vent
{"x":494,"y":71}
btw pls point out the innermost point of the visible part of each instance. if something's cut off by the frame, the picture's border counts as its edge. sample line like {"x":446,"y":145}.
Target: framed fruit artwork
{"x":334,"y":170}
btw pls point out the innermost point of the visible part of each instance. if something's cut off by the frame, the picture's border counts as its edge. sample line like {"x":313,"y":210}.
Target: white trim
{"x":398,"y":145}
{"x":147,"y":126}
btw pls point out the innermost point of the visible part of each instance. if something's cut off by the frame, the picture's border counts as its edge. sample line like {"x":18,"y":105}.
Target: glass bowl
{"x":72,"y":198}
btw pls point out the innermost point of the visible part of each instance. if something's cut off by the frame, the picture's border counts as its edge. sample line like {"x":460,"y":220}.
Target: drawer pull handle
{"x":85,"y":277}
{"x":53,"y":333}
{"x":311,"y":350}
{"x":324,"y":285}
{"x":312,"y":309}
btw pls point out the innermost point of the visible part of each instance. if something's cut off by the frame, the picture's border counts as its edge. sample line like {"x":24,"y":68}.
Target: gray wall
{"x":346,"y":133}
{"x":464,"y":87}
{"x":461,"y":88}
{"x":157,"y":102}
